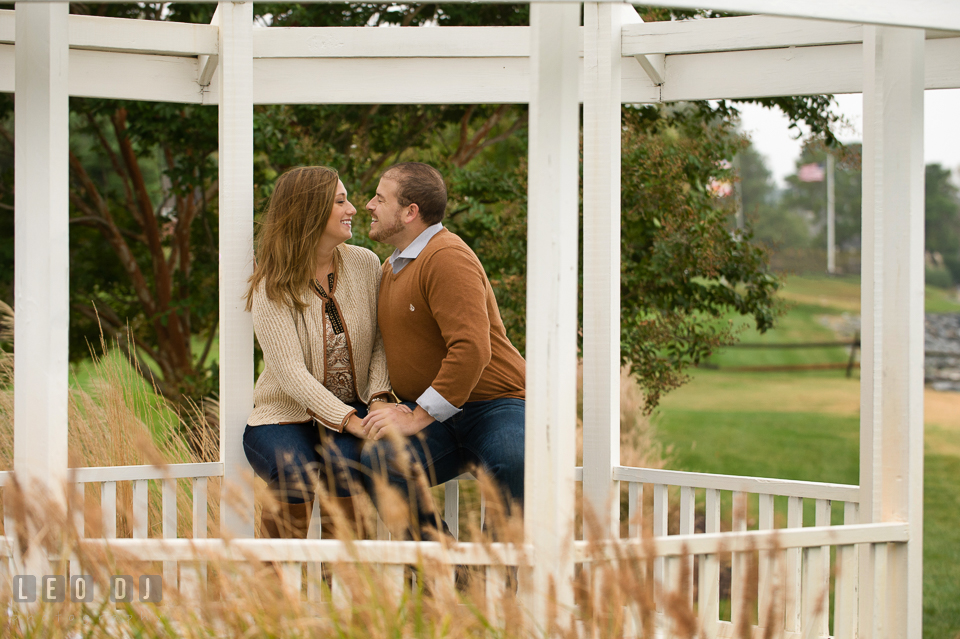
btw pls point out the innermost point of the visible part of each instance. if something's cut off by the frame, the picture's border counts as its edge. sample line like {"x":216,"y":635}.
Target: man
{"x":450,"y":361}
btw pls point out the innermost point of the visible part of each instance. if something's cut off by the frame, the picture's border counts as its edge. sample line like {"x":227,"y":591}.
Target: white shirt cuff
{"x":436,"y":406}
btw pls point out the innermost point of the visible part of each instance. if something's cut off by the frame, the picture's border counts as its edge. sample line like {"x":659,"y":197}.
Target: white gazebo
{"x":889,"y":50}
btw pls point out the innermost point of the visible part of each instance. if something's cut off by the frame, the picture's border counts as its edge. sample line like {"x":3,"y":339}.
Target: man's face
{"x":386,"y":213}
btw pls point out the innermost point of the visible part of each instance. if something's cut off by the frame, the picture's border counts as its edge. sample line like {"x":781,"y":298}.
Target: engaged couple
{"x":344,"y":337}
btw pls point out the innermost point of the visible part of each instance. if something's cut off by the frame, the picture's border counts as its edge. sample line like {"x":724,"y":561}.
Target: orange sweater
{"x":441,"y":327}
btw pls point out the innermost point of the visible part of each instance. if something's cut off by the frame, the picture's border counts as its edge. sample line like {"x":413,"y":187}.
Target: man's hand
{"x":398,"y":419}
{"x":378,"y":405}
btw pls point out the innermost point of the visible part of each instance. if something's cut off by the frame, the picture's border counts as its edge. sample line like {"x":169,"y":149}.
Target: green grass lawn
{"x":804,"y":446}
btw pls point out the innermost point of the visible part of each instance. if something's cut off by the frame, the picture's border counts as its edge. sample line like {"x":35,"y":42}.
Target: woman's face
{"x":340,"y":224}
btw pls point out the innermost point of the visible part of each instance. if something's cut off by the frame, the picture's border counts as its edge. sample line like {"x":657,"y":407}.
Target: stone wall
{"x":941,"y":367}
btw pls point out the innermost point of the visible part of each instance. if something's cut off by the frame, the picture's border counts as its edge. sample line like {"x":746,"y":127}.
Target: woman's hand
{"x":354,"y":426}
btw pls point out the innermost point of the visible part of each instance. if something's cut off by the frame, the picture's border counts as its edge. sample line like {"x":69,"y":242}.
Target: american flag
{"x":811,"y":173}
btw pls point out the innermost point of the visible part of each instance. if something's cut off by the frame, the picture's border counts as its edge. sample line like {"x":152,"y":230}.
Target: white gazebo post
{"x":42,"y":269}
{"x":236,"y":261}
{"x":892,"y":294}
{"x":601,"y":264}
{"x":552,"y":221}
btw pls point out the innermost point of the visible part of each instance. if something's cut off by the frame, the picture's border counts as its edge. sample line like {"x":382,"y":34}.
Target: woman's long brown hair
{"x":287,"y":240}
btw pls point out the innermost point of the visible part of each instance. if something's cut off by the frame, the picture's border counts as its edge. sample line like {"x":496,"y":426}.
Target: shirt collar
{"x":416,"y":246}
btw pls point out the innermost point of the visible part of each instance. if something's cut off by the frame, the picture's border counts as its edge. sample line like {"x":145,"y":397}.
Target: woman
{"x":314,"y":305}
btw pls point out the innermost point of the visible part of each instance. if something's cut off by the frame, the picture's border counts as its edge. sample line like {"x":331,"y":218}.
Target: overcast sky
{"x":768,"y":130}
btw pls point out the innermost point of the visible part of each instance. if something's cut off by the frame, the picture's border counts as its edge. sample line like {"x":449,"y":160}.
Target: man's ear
{"x":413,"y":211}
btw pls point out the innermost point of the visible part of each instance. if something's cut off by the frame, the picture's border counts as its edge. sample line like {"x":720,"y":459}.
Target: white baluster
{"x":708,"y":596}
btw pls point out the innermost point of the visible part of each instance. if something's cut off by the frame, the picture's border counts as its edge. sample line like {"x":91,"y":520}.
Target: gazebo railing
{"x":796,"y":565}
{"x":802,"y":581}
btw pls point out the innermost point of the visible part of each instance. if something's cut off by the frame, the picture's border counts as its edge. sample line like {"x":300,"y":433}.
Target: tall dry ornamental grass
{"x":110,"y":424}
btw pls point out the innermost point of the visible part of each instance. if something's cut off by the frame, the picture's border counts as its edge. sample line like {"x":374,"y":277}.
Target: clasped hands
{"x":391,"y":419}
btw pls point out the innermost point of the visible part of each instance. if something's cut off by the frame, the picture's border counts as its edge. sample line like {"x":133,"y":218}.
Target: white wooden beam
{"x":734,"y":34}
{"x":132,"y":76}
{"x":791,"y":71}
{"x":41,"y":271}
{"x":142,"y":36}
{"x":124,"y":34}
{"x":738,"y":483}
{"x":924,"y":14}
{"x":927,"y":14}
{"x":763,"y":73}
{"x":552,"y":238}
{"x":121,"y":76}
{"x":796,"y":71}
{"x":601,"y":263}
{"x":652,"y":63}
{"x":236,"y":261}
{"x":207,"y":64}
{"x":42,"y":262}
{"x":365,"y":42}
{"x":941,"y":70}
{"x":312,"y":550}
{"x":384,"y":81}
{"x":892,"y":291}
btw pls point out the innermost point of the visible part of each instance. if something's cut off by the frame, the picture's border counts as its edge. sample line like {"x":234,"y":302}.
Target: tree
{"x":143,"y":246}
{"x":942,"y":226}
{"x":143,"y":241}
{"x":811,"y":197}
{"x":773,"y":225}
{"x":683,"y":269}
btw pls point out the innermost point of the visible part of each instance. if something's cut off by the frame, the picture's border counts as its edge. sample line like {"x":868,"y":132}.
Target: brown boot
{"x":331,"y":526}
{"x":292,"y":521}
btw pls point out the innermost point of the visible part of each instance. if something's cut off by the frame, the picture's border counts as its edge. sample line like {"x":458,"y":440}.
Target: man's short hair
{"x":420,"y":184}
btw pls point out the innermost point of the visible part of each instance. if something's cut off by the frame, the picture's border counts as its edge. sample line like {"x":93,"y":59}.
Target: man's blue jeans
{"x":488,"y":435}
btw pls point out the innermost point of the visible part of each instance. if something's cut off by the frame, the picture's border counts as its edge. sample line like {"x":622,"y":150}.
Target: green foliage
{"x":941,"y":546}
{"x":811,"y":197}
{"x":773,"y":225}
{"x":682,"y":267}
{"x":942,"y":228}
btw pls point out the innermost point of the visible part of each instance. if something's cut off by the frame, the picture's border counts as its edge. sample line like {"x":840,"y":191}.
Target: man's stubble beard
{"x":384,"y":233}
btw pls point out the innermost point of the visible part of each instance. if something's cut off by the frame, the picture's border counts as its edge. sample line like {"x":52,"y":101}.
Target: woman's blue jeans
{"x":292,"y":457}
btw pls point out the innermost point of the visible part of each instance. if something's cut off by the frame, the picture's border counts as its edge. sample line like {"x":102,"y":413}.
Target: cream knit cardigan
{"x":289,"y":390}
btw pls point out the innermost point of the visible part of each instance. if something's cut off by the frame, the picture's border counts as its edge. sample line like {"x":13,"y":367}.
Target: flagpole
{"x":738,"y":190}
{"x":831,"y":218}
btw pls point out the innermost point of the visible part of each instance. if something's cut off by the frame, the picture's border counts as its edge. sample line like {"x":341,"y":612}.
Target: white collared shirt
{"x":399,"y":259}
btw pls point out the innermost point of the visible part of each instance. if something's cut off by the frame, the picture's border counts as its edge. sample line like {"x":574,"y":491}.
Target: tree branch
{"x":176,"y":342}
{"x":6,"y":135}
{"x":112,"y":234}
{"x":206,"y":347}
{"x":117,"y":166}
